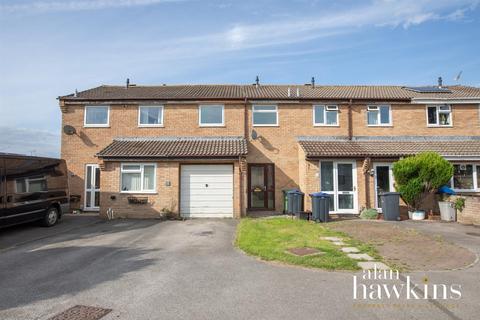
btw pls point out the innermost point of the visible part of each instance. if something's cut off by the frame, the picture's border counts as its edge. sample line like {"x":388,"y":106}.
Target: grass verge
{"x":269,"y":239}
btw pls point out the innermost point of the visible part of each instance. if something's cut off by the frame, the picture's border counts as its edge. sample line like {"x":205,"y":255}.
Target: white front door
{"x":206,"y":191}
{"x":339,"y":179}
{"x":383,"y":180}
{"x":92,"y":187}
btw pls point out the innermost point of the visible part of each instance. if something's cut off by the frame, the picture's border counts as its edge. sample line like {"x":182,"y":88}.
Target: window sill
{"x":150,"y":126}
{"x":265,"y":125}
{"x":439,"y":126}
{"x":326,"y":125}
{"x":379,"y":125}
{"x":139,"y":192}
{"x":96,"y":126}
{"x":211,"y":126}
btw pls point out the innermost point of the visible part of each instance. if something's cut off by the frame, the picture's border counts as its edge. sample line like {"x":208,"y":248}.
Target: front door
{"x":261,"y":186}
{"x":92,"y":187}
{"x":383,"y":180}
{"x":339,"y":179}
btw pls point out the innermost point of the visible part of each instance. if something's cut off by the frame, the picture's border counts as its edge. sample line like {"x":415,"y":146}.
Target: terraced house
{"x":226,"y":150}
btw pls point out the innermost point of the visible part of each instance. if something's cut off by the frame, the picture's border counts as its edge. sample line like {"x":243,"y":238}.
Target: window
{"x":211,"y":115}
{"x":138,"y":178}
{"x":465,"y":176}
{"x":97,"y":116}
{"x":439,"y":115}
{"x":150,"y":116}
{"x":31,"y":184}
{"x":379,"y":115}
{"x":265,"y":116}
{"x":325,"y":115}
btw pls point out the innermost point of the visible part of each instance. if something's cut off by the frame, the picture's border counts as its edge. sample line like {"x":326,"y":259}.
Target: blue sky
{"x":52,"y":47}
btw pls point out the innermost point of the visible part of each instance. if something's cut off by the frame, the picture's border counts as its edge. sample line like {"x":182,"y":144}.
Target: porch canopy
{"x":455,"y":147}
{"x":174,"y":148}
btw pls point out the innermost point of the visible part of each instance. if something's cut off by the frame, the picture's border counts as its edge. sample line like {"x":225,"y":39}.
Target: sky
{"x":49,"y":48}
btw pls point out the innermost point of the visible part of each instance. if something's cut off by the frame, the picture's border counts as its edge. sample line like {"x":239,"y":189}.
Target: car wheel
{"x":51,"y":217}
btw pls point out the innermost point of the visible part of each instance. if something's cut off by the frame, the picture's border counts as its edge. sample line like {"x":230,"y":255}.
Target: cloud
{"x":328,"y":23}
{"x":29,"y":141}
{"x":75,"y":5}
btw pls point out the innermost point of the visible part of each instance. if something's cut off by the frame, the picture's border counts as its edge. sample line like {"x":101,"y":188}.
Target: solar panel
{"x":428,"y":89}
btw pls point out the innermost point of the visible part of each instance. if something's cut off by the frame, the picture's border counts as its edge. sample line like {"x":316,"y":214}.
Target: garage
{"x":206,"y":191}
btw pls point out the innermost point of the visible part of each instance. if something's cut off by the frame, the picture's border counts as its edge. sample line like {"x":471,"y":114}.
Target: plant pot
{"x":418,"y":215}
{"x":447,"y":210}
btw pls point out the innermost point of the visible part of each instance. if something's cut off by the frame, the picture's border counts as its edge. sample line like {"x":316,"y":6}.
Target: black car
{"x":32,"y":188}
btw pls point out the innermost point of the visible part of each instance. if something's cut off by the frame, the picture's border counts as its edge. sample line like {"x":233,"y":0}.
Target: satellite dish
{"x":69,"y":130}
{"x":254,"y":135}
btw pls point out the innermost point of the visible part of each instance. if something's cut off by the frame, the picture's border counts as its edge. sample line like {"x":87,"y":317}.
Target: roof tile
{"x":388,"y":146}
{"x":205,"y":92}
{"x":175,"y":147}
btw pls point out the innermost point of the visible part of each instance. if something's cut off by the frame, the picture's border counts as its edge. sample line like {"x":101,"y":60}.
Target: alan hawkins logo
{"x":378,"y":284}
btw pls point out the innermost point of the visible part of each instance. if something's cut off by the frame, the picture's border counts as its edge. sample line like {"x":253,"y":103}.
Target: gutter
{"x":445,"y":100}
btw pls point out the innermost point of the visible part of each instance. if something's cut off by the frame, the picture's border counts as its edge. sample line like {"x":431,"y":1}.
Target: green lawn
{"x":270,"y":238}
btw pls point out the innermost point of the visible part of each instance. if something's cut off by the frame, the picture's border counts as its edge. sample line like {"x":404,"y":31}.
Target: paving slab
{"x":331,"y":238}
{"x":367,"y":265}
{"x":350,"y":250}
{"x":360,"y":256}
{"x":339,"y":243}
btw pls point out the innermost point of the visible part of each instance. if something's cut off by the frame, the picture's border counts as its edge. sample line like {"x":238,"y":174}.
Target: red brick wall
{"x":276,"y":145}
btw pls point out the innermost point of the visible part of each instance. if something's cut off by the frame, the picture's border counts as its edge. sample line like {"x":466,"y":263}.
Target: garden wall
{"x":471,"y":213}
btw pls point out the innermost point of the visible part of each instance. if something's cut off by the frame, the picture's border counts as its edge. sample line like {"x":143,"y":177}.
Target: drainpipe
{"x":241,"y":171}
{"x":366,"y":172}
{"x":350,"y":125}
{"x":245,"y":119}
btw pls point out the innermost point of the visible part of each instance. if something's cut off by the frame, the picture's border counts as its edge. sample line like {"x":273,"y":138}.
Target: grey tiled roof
{"x":317,"y":147}
{"x":175,"y":147}
{"x":205,"y":92}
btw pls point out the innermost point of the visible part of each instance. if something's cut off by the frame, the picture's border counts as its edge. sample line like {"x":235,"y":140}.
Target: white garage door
{"x":206,"y":191}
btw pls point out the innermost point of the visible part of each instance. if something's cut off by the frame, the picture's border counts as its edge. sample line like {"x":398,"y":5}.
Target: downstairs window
{"x":138,"y":178}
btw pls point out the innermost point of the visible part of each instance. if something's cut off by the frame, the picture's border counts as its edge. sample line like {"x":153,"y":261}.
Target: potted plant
{"x":418,"y":176}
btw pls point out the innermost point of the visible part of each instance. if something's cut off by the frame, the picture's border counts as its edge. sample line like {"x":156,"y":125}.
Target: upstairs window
{"x":379,"y":116}
{"x":211,"y":115}
{"x":138,"y":178}
{"x":438,"y":116}
{"x":150,"y":116}
{"x":265,"y":115}
{"x":325,"y":115}
{"x":97,"y":116}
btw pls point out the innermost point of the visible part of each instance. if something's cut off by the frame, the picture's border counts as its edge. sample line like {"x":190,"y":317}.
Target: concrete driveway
{"x":182,"y":270}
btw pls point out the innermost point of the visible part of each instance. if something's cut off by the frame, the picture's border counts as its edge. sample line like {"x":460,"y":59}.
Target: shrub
{"x":419,"y":175}
{"x":460,"y":204}
{"x":369,"y":214}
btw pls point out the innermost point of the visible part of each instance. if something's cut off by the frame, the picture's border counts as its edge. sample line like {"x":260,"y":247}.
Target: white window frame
{"x":325,"y":110}
{"x":141,"y":171}
{"x":200,"y":107}
{"x":90,"y":125}
{"x":265,"y":111}
{"x":437,"y":106}
{"x":476,"y":187}
{"x":146,"y":125}
{"x":379,"y":116}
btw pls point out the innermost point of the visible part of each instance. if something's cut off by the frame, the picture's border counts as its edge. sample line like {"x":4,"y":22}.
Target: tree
{"x":419,"y":175}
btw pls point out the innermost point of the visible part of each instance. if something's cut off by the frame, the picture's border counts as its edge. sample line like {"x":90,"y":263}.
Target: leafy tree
{"x":419,"y":175}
